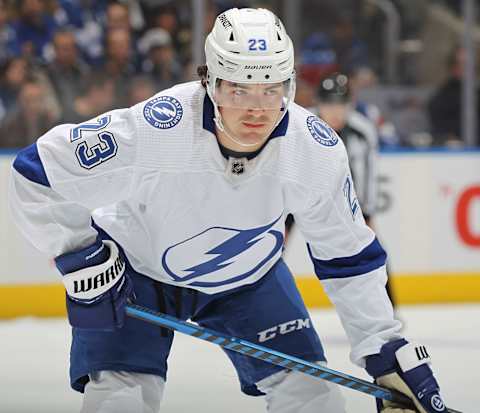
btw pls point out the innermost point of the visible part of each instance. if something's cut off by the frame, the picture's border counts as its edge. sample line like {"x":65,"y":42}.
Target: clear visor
{"x":265,"y":96}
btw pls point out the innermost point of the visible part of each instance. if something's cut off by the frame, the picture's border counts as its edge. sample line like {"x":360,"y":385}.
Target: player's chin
{"x":250,"y":137}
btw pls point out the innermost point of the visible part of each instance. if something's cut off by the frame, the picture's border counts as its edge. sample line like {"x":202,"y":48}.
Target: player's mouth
{"x":253,"y":125}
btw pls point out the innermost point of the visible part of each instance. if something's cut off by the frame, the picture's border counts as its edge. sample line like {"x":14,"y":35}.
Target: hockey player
{"x":178,"y":203}
{"x":358,"y":134}
{"x":360,"y":137}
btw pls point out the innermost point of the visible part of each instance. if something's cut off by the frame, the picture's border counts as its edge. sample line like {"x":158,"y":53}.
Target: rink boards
{"x":428,"y":220}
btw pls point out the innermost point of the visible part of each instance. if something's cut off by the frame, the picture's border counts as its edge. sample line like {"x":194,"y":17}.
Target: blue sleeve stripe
{"x":370,"y":258}
{"x":29,"y":164}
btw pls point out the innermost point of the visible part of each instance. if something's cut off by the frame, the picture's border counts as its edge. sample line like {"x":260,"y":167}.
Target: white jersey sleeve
{"x":68,"y":172}
{"x":347,"y":257}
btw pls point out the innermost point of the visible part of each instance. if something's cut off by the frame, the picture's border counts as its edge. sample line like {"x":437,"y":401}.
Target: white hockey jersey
{"x":153,"y":177}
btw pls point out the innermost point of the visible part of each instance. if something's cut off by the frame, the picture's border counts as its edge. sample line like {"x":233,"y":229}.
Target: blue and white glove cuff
{"x":411,"y":356}
{"x":89,"y":283}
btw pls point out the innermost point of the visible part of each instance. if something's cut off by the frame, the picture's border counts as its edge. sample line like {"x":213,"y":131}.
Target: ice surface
{"x":34,"y":364}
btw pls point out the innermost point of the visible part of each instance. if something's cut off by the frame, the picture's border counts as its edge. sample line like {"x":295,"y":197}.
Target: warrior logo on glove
{"x":99,"y":280}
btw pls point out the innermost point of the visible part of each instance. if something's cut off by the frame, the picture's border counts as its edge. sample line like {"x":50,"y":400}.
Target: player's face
{"x":335,"y":114}
{"x":250,"y":111}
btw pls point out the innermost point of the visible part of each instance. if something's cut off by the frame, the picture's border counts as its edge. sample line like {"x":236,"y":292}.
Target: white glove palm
{"x":405,"y":367}
{"x":394,"y":381}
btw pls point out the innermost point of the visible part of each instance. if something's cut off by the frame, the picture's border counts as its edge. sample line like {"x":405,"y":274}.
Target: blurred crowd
{"x":68,"y":60}
{"x":65,"y":61}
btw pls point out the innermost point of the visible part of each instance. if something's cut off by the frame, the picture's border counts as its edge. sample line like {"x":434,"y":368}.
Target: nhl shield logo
{"x":321,"y":132}
{"x":238,"y":167}
{"x":163,"y":112}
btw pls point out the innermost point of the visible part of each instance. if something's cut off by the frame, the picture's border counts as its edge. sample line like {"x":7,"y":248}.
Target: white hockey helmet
{"x":249,"y":46}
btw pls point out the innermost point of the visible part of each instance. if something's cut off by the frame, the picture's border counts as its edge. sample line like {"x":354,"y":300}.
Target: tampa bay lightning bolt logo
{"x":163,"y":112}
{"x":236,"y":254}
{"x":321,"y":132}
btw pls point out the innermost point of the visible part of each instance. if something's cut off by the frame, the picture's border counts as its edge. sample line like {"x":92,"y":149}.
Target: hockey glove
{"x":97,"y":286}
{"x":405,"y":367}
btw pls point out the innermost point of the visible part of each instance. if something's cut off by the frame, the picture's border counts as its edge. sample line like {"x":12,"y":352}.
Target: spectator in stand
{"x":98,"y":97}
{"x":161,"y":61}
{"x":166,"y":18}
{"x":140,"y":89}
{"x":445,"y":106}
{"x":350,"y":50}
{"x":94,"y":19}
{"x":364,"y":78}
{"x":118,"y":17}
{"x":31,"y":118}
{"x":34,"y":30}
{"x":77,"y":13}
{"x":67,"y":73}
{"x":339,"y":49}
{"x":87,"y":18}
{"x":317,"y":59}
{"x":7,"y":34}
{"x":119,"y":61}
{"x":13,"y":74}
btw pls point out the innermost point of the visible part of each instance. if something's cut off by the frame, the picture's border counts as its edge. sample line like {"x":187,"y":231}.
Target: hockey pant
{"x":286,"y":392}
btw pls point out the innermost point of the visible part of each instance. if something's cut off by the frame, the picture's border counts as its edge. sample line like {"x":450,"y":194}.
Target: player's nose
{"x":256,"y":111}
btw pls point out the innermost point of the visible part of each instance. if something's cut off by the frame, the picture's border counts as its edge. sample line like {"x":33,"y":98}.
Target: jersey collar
{"x":209,"y":124}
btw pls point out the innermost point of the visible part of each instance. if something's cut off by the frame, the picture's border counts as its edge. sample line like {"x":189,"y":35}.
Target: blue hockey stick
{"x":270,"y":356}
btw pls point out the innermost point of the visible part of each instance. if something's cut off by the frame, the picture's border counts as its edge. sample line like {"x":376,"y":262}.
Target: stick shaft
{"x":268,"y":355}
{"x":263,"y":353}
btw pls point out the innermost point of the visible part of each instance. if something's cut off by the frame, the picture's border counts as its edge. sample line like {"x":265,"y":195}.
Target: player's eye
{"x":239,"y":92}
{"x":272,"y":92}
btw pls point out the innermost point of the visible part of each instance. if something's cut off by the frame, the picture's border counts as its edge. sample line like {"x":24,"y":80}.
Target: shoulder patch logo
{"x":321,"y":132}
{"x":163,"y":112}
